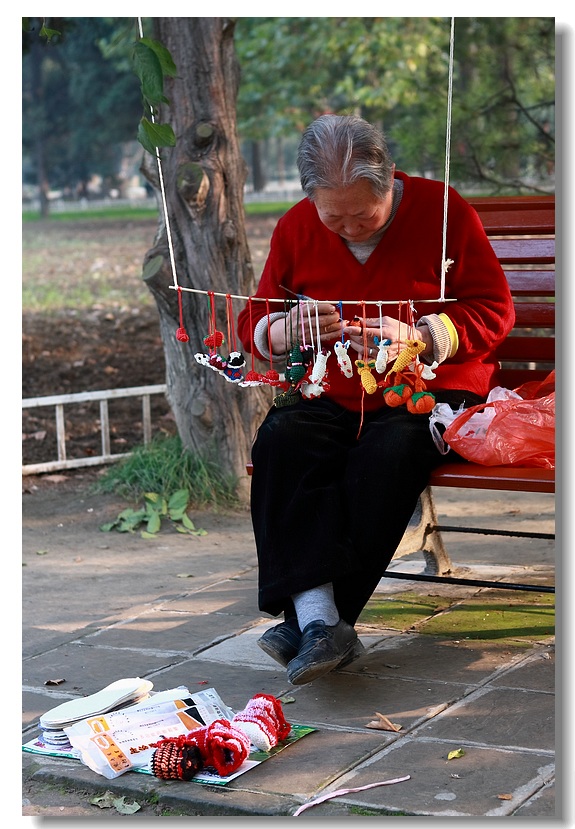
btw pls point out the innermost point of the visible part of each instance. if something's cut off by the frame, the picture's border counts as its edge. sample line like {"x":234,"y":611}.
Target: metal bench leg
{"x":421,"y":535}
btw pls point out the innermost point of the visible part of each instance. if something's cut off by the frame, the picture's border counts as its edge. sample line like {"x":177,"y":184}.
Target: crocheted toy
{"x":409,"y":388}
{"x":343,"y":359}
{"x":368,"y":381}
{"x":175,"y":758}
{"x":219,"y":745}
{"x":406,"y":356}
{"x":382,"y":352}
{"x":320,"y":366}
{"x":233,"y":367}
{"x":263,"y":721}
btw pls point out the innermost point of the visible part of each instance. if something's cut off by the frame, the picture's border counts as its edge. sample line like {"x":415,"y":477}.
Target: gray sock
{"x":315,"y":604}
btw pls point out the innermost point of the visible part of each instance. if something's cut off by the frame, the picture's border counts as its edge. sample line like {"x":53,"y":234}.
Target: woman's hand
{"x":389,"y":329}
{"x":303,"y":323}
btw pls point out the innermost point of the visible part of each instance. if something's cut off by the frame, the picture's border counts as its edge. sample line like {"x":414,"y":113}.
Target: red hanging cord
{"x":181,"y":333}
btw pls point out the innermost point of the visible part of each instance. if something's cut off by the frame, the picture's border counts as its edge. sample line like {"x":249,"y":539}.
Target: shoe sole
{"x":315,"y":671}
{"x":266,"y":648}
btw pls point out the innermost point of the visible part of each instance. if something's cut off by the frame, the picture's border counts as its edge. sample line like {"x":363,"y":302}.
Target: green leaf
{"x":126,"y":808}
{"x":188,"y":523}
{"x":48,"y":33}
{"x":455,"y":754}
{"x":105,"y":528}
{"x":151,"y":135}
{"x":154,"y":523}
{"x":166,"y":61}
{"x":179,"y":500}
{"x":144,"y":534}
{"x":148,"y":68}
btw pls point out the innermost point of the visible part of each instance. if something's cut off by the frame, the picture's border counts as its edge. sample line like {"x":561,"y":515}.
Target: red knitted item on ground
{"x":221,"y":745}
{"x":263,"y":721}
{"x":176,"y":759}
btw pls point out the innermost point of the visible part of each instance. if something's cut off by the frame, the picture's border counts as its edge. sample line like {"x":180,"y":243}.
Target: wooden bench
{"x":522,"y":232}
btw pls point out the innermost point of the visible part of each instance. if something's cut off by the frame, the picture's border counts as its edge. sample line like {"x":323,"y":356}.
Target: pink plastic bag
{"x":512,"y":429}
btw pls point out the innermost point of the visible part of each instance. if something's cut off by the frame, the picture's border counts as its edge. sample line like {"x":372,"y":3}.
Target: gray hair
{"x":338,"y":150}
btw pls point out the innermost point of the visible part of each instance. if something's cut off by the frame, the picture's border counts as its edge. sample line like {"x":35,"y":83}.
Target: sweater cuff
{"x":443,"y":334}
{"x":261,"y":339}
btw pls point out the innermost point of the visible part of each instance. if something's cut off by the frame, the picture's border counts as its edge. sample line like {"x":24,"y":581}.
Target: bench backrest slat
{"x":525,"y":251}
{"x":522,"y":232}
{"x":531,"y":283}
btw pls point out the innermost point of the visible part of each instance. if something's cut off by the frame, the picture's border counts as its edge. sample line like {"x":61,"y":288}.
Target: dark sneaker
{"x":322,"y":649}
{"x":282,"y":641}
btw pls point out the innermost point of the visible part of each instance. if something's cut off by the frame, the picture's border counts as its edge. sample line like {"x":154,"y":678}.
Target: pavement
{"x":453,"y":668}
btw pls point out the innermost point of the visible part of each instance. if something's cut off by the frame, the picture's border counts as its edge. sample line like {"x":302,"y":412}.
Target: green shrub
{"x":164,"y":467}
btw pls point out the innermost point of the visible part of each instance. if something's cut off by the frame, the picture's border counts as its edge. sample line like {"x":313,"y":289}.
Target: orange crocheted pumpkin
{"x":397,"y":395}
{"x":421,"y":402}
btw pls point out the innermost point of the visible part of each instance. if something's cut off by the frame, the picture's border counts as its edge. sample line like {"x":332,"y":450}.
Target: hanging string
{"x":445,"y":263}
{"x":163,"y":192}
{"x":232,"y":342}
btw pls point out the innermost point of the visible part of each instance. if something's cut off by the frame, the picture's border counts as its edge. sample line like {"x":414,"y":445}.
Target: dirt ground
{"x":114,"y":344}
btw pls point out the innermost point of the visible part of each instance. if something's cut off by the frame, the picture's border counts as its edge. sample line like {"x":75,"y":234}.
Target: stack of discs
{"x":117,"y":695}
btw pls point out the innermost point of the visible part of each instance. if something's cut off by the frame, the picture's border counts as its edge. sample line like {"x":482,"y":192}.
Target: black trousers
{"x":331,"y":502}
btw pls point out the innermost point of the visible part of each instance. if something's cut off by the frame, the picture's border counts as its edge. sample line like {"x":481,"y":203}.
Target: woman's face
{"x":353,"y":212}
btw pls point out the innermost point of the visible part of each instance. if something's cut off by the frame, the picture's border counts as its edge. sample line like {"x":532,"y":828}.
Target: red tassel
{"x":181,"y":333}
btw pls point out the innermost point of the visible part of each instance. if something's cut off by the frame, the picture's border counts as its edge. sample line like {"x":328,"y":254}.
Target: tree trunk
{"x":258,"y":171}
{"x":204,"y":177}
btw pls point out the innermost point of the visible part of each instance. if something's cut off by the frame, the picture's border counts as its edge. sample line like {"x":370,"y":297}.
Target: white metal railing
{"x":61,"y":400}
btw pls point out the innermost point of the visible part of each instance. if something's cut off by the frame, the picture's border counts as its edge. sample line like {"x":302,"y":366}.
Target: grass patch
{"x":270,"y":208}
{"x":93,"y":213}
{"x":401,"y":611}
{"x":490,"y":618}
{"x":163,"y":466}
{"x":123,"y":213}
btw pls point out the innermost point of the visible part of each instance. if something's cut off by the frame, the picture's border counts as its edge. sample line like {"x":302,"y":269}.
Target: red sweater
{"x":311,"y":260}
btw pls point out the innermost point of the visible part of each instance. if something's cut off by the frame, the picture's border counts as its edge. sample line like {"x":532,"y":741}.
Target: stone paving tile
{"x":235,"y":596}
{"x":436,"y":658}
{"x":169,"y":631}
{"x":468,"y":786}
{"x":346,"y":700}
{"x":543,"y":804}
{"x":307,"y":765}
{"x":536,"y":674}
{"x":501,"y":717}
{"x":87,"y":669}
{"x":235,"y":687}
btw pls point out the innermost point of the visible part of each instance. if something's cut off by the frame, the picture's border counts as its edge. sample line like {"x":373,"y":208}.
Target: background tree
{"x":204,"y":177}
{"x":79,"y":100}
{"x":394,"y":72}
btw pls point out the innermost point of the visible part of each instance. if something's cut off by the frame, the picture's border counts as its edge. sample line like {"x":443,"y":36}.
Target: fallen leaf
{"x":184,"y":575}
{"x":383,"y":724}
{"x":41,"y":552}
{"x":54,"y":681}
{"x":109,"y":801}
{"x":124,"y":808}
{"x":285,"y":699}
{"x":505,"y":796}
{"x":454,"y":755}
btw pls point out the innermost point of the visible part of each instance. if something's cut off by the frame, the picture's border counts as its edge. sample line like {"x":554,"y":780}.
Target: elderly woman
{"x":337,"y":475}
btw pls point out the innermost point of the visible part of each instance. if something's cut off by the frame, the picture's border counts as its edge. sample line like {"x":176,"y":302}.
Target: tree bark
{"x":204,"y":176}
